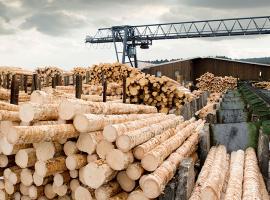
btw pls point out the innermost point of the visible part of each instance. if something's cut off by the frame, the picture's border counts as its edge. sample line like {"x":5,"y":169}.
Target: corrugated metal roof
{"x":194,"y":58}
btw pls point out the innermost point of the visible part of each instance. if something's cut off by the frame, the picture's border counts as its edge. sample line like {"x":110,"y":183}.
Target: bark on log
{"x":97,"y":173}
{"x":51,"y":166}
{"x":33,"y":134}
{"x":131,"y":139}
{"x":153,"y":184}
{"x":107,"y":190}
{"x":38,"y":112}
{"x":111,"y":132}
{"x":92,"y":122}
{"x":69,"y":108}
{"x":119,"y":160}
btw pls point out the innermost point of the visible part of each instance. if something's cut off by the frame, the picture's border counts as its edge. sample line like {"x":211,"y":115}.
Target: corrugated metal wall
{"x":168,"y":69}
{"x":192,"y":69}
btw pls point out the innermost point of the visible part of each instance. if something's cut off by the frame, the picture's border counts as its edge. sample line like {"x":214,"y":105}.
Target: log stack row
{"x":45,"y":74}
{"x":210,"y":82}
{"x":262,"y":85}
{"x":161,"y":92}
{"x":87,"y":150}
{"x":236,"y":176}
{"x":114,"y":73}
{"x":5,"y":95}
{"x":211,"y":106}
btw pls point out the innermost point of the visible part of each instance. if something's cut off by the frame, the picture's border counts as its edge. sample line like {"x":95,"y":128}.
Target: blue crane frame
{"x":143,"y":35}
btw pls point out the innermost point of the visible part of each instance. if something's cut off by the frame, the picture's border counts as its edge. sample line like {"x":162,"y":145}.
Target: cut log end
{"x":38,"y":180}
{"x":110,"y":133}
{"x":21,"y":158}
{"x":40,"y":168}
{"x":71,"y":163}
{"x":138,"y":152}
{"x":82,"y":193}
{"x":103,"y":148}
{"x":26,"y":177}
{"x":117,"y":159}
{"x":149,"y":162}
{"x":3,"y":161}
{"x":125,"y":182}
{"x":26,"y":112}
{"x":151,"y":188}
{"x":66,"y":110}
{"x":123,"y":143}
{"x":58,"y":180}
{"x":81,"y":123}
{"x":45,"y":151}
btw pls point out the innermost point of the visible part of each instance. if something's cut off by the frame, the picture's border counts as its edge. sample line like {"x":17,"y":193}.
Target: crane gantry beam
{"x":143,"y":35}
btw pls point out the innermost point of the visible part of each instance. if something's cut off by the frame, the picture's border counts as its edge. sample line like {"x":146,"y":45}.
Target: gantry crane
{"x":143,"y":35}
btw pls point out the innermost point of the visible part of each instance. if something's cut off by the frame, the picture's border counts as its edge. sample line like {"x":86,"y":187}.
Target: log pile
{"x":79,"y":71}
{"x":161,"y":92}
{"x":211,"y":106}
{"x":114,"y":73}
{"x":235,"y":176}
{"x":262,"y":85}
{"x":210,"y":82}
{"x":89,"y":150}
{"x":5,"y":95}
{"x":45,"y":74}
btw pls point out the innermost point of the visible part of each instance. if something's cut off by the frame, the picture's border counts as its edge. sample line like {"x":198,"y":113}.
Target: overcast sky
{"x":52,"y":32}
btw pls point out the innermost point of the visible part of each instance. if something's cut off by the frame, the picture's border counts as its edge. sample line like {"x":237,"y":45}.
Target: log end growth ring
{"x":26,"y":112}
{"x":81,"y":123}
{"x":149,"y":162}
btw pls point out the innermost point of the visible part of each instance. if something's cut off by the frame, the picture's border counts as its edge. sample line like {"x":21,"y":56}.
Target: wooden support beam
{"x":25,"y":83}
{"x":53,"y":82}
{"x":34,"y":82}
{"x":186,"y":179}
{"x":14,"y":92}
{"x":78,"y":86}
{"x":21,"y":85}
{"x":87,"y":77}
{"x":104,"y":85}
{"x":58,"y":80}
{"x":204,"y":143}
{"x":263,"y":154}
{"x":124,"y":89}
{"x":8,"y":81}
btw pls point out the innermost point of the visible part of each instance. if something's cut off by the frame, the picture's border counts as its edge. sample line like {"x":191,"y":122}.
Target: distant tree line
{"x":263,"y":60}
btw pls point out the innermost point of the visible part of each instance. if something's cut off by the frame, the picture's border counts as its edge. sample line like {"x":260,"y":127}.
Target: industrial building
{"x":191,"y":69}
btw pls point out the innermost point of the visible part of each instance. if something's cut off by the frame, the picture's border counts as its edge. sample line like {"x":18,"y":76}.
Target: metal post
{"x":21,"y":82}
{"x":25,"y":83}
{"x":134,"y":46}
{"x":8,"y":81}
{"x":115,"y":47}
{"x":125,"y":44}
{"x":124,"y":89}
{"x":34,"y":83}
{"x":87,"y":76}
{"x":14,"y":92}
{"x":58,"y":79}
{"x":104,"y":85}
{"x":53,"y":82}
{"x":78,"y":86}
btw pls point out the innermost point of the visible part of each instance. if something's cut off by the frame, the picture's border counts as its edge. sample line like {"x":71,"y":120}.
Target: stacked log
{"x":45,"y":74}
{"x":210,"y":82}
{"x":47,"y":157}
{"x":262,"y":85}
{"x":5,"y":95}
{"x":230,"y":177}
{"x":211,"y":106}
{"x":114,"y":73}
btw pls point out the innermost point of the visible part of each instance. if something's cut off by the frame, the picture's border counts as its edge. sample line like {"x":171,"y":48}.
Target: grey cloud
{"x":52,"y":23}
{"x":232,"y":4}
